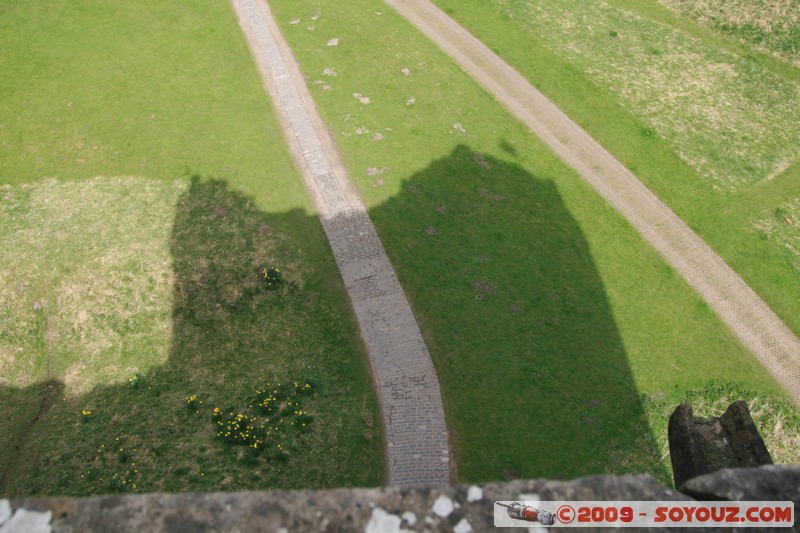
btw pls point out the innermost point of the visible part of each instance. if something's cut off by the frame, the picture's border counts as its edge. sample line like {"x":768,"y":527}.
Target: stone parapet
{"x":460,"y":508}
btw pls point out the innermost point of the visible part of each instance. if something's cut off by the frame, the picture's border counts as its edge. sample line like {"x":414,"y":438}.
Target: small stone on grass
{"x":481,"y":161}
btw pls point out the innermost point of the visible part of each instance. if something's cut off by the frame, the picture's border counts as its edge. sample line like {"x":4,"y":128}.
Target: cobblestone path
{"x":745,"y":313}
{"x":408,"y":389}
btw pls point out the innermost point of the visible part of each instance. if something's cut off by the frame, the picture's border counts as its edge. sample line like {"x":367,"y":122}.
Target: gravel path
{"x":745,"y":313}
{"x":413,"y":419}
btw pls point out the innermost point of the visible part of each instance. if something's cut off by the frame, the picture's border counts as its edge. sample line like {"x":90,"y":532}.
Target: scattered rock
{"x":474,"y":494}
{"x":334,"y":42}
{"x":499,"y":197}
{"x":383,"y":522}
{"x":311,"y":28}
{"x":373,"y":171}
{"x":5,"y":511}
{"x":378,"y":183}
{"x":405,"y":71}
{"x":463,"y":526}
{"x":294,"y":21}
{"x":430,"y":230}
{"x":326,"y":87}
{"x":377,"y":136}
{"x":329,"y":72}
{"x":361,"y":130}
{"x":315,"y":17}
{"x":443,"y":506}
{"x":411,"y":101}
{"x":361,"y":98}
{"x":458,"y":127}
{"x":409,"y":518}
{"x":29,"y":522}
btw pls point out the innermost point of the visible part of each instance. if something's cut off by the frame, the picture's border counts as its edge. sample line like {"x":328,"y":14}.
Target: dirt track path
{"x":745,"y":313}
{"x":415,"y":435}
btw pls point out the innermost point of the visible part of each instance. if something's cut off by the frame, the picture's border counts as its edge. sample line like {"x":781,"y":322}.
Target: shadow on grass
{"x":232,"y":334}
{"x":534,"y":374}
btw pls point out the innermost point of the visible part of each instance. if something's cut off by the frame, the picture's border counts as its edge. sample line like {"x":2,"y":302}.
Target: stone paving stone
{"x":408,"y":388}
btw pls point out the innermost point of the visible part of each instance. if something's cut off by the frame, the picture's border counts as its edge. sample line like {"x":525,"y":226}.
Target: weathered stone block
{"x":700,"y":446}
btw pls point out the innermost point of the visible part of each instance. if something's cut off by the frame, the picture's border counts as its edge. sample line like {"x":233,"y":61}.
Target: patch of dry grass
{"x":771,"y":26}
{"x":782,"y":228}
{"x":85,"y":280}
{"x":730,"y":119}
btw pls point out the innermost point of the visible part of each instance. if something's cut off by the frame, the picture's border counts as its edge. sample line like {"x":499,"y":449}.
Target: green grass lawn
{"x":640,"y":105}
{"x":132,"y":302}
{"x":562,"y":340}
{"x":768,"y":26}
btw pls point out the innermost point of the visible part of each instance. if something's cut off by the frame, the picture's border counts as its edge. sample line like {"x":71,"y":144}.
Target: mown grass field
{"x":560,"y":338}
{"x":772,"y":27}
{"x":144,"y":185}
{"x":681,"y":106}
